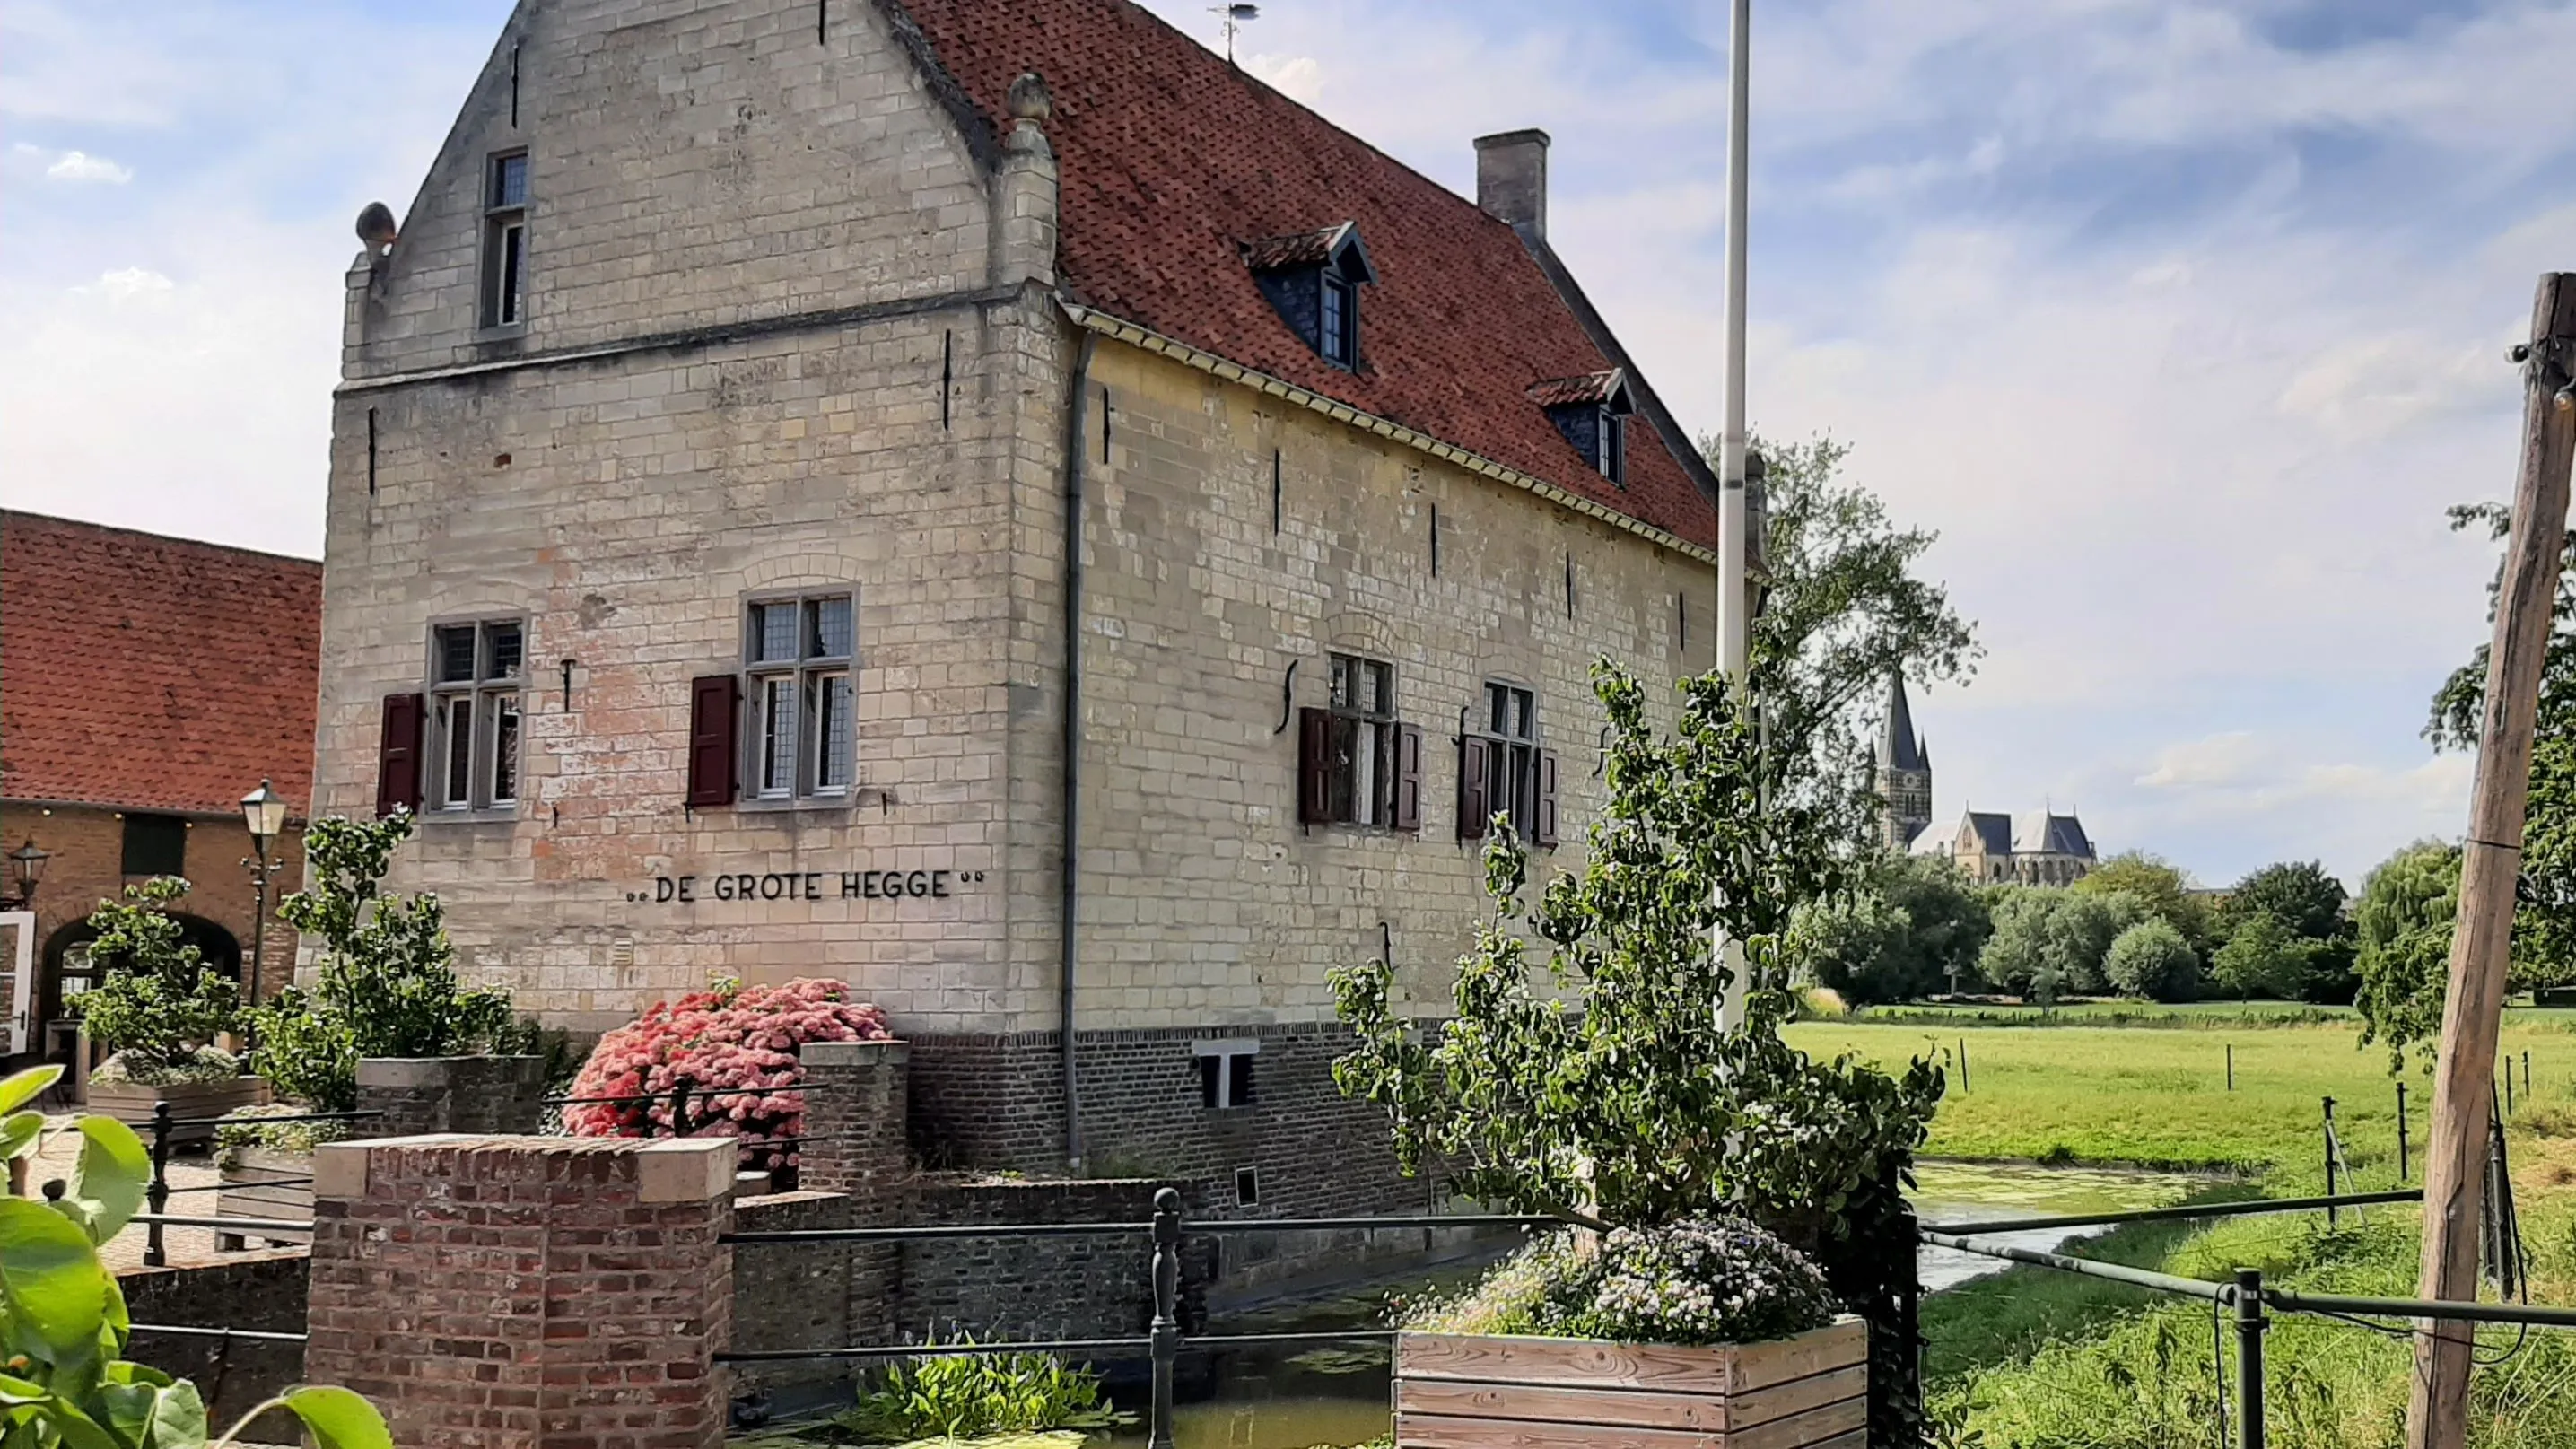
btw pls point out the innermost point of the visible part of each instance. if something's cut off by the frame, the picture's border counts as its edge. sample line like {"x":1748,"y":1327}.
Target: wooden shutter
{"x":715,"y":713}
{"x":1314,"y":766}
{"x":1408,"y":777}
{"x":1475,"y":813}
{"x":1543,"y":819}
{"x":398,"y":747}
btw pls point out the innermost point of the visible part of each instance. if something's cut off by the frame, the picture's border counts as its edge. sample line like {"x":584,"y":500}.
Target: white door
{"x":18,"y":953}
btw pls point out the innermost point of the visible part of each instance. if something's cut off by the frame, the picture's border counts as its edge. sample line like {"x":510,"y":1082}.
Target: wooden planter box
{"x":1465,"y":1391}
{"x":248,"y":1193}
{"x":132,"y":1105}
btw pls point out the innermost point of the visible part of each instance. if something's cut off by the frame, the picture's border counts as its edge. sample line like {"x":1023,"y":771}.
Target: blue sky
{"x":2180,"y":322}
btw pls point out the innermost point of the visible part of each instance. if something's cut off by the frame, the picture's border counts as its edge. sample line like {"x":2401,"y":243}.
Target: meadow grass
{"x":2159,"y":1098}
{"x":2033,"y":1358}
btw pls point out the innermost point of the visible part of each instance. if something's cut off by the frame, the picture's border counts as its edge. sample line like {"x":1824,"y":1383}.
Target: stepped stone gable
{"x":799,"y":315}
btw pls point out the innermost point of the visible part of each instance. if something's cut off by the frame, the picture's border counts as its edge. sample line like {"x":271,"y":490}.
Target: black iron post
{"x":2250,"y":1324}
{"x":2526,"y":1074}
{"x":1963,"y":1064}
{"x":1167,"y":1321}
{"x":2231,"y":1066}
{"x":680,"y":1110}
{"x":157,"y":1195}
{"x":259,"y":873}
{"x":2401,"y":1131}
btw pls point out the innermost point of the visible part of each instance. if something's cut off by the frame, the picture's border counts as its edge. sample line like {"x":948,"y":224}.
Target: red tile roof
{"x":1559,"y":392}
{"x":1172,"y":161}
{"x":153,"y":673}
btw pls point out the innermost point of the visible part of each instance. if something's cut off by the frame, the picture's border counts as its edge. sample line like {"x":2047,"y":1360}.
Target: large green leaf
{"x":20,"y":1088}
{"x":178,"y":1417}
{"x":50,"y":1275}
{"x":111,"y":1176}
{"x":339,"y":1418}
{"x":125,"y":1410}
{"x":20,"y":1135}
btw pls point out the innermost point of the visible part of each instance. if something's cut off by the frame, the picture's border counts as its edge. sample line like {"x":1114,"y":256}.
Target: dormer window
{"x":1313,"y":280}
{"x":1592,"y":412}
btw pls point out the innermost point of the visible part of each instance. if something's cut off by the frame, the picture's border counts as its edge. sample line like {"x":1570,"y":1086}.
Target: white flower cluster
{"x":1718,"y":1280}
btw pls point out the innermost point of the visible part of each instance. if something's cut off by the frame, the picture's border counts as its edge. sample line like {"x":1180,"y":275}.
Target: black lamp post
{"x":26,"y":867}
{"x":264,"y":811}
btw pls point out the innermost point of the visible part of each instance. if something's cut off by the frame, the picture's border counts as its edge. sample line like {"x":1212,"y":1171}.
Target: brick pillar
{"x":856,"y":1143}
{"x":526,"y":1292}
{"x":855,"y":1138}
{"x":480,"y":1094}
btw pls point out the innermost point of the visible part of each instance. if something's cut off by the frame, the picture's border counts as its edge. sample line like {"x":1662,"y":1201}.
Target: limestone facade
{"x":790,"y":328}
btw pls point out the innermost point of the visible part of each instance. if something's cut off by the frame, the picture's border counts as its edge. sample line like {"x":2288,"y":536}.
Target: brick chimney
{"x":1511,"y":178}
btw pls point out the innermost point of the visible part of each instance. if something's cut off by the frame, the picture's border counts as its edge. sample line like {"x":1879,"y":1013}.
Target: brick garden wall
{"x":264,"y":1291}
{"x":1001,"y":1288}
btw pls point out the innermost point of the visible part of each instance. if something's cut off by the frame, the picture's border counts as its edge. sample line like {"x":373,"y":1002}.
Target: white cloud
{"x":1298,"y":77}
{"x":127,"y":283}
{"x":81,"y":166}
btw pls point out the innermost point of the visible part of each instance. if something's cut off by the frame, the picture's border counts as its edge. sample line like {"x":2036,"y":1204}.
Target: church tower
{"x":1904,"y":771}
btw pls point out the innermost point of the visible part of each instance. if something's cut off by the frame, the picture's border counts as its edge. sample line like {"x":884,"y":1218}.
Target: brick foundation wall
{"x":1004,"y":1288}
{"x":800,"y":1297}
{"x":263,"y":1291}
{"x":481,"y":1094}
{"x":996,"y":1103}
{"x":526,"y":1293}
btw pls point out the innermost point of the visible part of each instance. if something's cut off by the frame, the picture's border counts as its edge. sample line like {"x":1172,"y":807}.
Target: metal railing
{"x":2249,"y":1298}
{"x":157,"y":1193}
{"x":1164,"y":1340}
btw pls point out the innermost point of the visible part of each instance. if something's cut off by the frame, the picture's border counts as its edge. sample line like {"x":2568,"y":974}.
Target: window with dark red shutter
{"x":1314,"y":767}
{"x":1544,"y":817}
{"x":398,"y":754}
{"x":1474,"y":814}
{"x":1408,"y":778}
{"x":715,"y":712}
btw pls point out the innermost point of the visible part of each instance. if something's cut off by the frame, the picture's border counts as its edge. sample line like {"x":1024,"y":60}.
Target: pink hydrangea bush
{"x":730,"y":1036}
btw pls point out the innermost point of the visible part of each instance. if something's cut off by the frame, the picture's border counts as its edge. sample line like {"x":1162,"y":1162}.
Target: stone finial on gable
{"x":1024,"y":239}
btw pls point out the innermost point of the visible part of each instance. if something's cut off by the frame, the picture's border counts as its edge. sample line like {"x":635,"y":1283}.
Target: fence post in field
{"x":1167,"y":1321}
{"x":2332,"y":1161}
{"x":2401,"y":1131}
{"x":572,"y":1284}
{"x":2231,"y":1066}
{"x":2526,"y":595}
{"x":1963,"y":1065}
{"x":2250,"y":1324}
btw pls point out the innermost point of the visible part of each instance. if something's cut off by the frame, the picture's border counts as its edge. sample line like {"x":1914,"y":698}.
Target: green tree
{"x":2159,"y":886}
{"x":1595,"y":1081}
{"x":387,"y":984}
{"x":1912,"y":922}
{"x":1844,"y":608}
{"x":2307,"y":903}
{"x":2544,"y":926}
{"x":2016,"y":956}
{"x":2079,"y":935}
{"x":161,"y":1007}
{"x":2403,"y":922}
{"x":2264,"y":957}
{"x":2151,"y":959}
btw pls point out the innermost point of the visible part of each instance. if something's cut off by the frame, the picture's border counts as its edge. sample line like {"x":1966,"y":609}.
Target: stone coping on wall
{"x":665,"y":1170}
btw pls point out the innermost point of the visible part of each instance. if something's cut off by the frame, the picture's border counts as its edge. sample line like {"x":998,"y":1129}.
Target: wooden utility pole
{"x":2464,"y":1076}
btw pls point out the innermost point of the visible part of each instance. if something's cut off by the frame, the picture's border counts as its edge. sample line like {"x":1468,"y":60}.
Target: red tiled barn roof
{"x":1172,"y":161}
{"x":153,"y":673}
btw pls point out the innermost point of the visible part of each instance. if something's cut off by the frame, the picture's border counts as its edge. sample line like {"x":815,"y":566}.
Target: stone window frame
{"x":1512,"y":755}
{"x":491,"y":696}
{"x":1224,"y":1066}
{"x":501,"y":291}
{"x":1365,"y":736}
{"x":809,"y":675}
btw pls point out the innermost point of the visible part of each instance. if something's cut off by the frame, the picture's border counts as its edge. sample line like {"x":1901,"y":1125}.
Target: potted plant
{"x":385,"y":985}
{"x":160,"y":1012}
{"x":1738,"y":1201}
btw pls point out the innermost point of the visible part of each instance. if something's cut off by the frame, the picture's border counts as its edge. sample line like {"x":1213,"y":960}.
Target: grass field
{"x":2033,"y":1358}
{"x":2158,"y":1097}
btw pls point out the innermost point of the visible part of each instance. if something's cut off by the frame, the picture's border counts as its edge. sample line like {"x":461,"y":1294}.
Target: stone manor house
{"x":984,"y":500}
